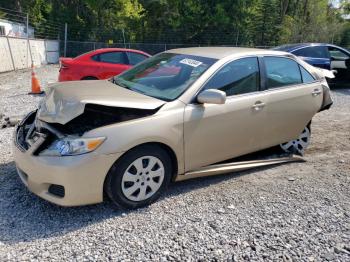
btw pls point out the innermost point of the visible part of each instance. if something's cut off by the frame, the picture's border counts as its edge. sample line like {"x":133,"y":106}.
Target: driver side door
{"x":217,"y":132}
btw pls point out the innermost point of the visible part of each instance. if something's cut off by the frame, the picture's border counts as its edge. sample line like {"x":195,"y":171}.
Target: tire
{"x":89,"y":78}
{"x":298,"y":145}
{"x":139,"y":177}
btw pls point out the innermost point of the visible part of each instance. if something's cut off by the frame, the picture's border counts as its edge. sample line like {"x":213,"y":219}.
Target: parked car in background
{"x":176,"y":116}
{"x":325,"y":56}
{"x":99,"y":64}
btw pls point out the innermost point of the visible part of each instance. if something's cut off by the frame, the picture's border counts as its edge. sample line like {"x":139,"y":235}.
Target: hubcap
{"x":143,"y":178}
{"x":298,"y":145}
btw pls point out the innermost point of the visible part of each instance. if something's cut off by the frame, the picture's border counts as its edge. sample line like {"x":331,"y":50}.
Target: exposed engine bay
{"x":31,"y":129}
{"x":95,"y":116}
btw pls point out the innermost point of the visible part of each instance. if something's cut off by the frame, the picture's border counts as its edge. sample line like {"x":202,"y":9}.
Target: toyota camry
{"x":175,"y":116}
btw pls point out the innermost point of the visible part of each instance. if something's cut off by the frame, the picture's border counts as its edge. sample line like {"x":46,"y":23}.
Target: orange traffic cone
{"x":35,"y":84}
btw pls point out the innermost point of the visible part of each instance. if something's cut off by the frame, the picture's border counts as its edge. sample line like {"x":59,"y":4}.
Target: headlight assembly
{"x":70,"y":146}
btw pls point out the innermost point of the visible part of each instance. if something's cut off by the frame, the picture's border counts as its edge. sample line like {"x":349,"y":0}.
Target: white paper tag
{"x":191,"y":62}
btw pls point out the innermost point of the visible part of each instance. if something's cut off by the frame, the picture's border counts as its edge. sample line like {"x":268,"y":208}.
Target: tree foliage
{"x":224,"y":22}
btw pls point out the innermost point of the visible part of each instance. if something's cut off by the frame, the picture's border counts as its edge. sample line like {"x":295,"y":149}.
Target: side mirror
{"x":212,"y":96}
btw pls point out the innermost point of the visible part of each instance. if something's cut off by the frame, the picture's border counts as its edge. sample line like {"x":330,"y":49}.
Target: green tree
{"x":192,"y":22}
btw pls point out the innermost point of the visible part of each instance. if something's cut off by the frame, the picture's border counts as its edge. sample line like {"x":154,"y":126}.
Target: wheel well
{"x":165,"y":147}
{"x":89,"y":78}
{"x":172,"y":155}
{"x":168,"y":149}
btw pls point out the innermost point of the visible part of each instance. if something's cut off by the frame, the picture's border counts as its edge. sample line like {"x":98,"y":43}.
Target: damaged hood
{"x":65,"y":101}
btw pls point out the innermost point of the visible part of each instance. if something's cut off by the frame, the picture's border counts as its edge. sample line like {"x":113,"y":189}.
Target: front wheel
{"x":298,"y":145}
{"x":139,"y":177}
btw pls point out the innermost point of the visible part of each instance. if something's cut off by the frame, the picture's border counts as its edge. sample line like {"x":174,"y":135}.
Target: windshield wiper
{"x":119,"y":83}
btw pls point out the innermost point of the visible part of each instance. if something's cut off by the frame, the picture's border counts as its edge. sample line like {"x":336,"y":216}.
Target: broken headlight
{"x":70,"y":146}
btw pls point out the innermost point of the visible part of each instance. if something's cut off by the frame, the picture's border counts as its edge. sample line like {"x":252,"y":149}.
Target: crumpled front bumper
{"x":81,"y":177}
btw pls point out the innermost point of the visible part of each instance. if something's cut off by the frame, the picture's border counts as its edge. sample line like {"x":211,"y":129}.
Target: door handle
{"x":258,"y":106}
{"x":316,"y":92}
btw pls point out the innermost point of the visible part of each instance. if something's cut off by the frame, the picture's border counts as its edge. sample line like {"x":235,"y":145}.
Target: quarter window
{"x":312,"y":51}
{"x":281,"y":72}
{"x":238,"y":77}
{"x":135,"y":58}
{"x":307,"y":77}
{"x":113,"y":58}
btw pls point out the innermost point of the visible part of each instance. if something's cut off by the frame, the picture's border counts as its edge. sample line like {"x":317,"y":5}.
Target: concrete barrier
{"x":15,"y":53}
{"x":6,"y":63}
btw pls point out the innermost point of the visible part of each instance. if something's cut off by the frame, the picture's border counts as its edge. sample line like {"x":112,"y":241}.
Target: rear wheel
{"x":298,"y":145}
{"x":139,"y":177}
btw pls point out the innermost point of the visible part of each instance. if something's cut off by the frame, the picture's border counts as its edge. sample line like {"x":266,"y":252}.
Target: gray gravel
{"x":292,"y":212}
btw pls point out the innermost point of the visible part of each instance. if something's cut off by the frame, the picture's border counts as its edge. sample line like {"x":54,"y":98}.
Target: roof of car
{"x":291,"y":47}
{"x":294,"y":47}
{"x":221,"y":52}
{"x":115,"y":49}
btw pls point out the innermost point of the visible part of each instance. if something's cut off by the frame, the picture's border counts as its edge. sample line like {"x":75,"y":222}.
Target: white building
{"x":8,"y":28}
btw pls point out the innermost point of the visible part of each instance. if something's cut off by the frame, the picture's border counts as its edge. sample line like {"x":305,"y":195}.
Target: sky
{"x":335,"y":3}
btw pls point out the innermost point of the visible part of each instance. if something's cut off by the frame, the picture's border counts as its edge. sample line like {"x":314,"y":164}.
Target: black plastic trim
{"x":57,"y":190}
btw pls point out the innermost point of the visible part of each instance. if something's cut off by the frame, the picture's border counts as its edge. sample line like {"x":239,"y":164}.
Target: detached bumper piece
{"x":227,"y":168}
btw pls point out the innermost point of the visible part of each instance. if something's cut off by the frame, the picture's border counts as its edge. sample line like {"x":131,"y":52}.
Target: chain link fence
{"x":74,"y":41}
{"x":75,"y":48}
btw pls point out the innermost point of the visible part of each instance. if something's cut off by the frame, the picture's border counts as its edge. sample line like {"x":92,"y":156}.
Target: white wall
{"x":16,"y":29}
{"x":16,"y":54}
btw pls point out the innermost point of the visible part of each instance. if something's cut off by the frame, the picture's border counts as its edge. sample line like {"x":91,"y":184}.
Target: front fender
{"x":165,"y":127}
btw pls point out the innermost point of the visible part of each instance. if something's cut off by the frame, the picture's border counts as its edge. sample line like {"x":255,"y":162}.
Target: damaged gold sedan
{"x":175,"y":116}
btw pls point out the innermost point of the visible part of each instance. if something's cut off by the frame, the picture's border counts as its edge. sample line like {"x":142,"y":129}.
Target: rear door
{"x":111,"y":64}
{"x":294,"y":97}
{"x":315,"y":55}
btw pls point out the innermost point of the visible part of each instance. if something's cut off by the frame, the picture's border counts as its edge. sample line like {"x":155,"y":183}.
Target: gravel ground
{"x":292,"y":212}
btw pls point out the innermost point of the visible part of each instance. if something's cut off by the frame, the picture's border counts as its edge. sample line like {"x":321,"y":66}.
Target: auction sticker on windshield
{"x":191,"y":62}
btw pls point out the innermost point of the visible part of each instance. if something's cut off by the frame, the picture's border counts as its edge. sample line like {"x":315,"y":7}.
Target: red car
{"x":99,"y":64}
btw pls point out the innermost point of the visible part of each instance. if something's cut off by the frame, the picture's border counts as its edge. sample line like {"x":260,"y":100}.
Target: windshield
{"x":165,"y":76}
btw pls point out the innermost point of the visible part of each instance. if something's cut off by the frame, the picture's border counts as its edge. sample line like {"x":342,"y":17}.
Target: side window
{"x":337,"y":54}
{"x":113,"y":57}
{"x":96,"y":58}
{"x":135,"y":58}
{"x":307,"y":77}
{"x":281,"y":72}
{"x":312,"y":51}
{"x":2,"y":30}
{"x":238,"y":77}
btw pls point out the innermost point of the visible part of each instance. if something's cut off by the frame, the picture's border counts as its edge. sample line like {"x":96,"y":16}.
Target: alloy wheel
{"x":142,"y":178}
{"x":298,"y":145}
